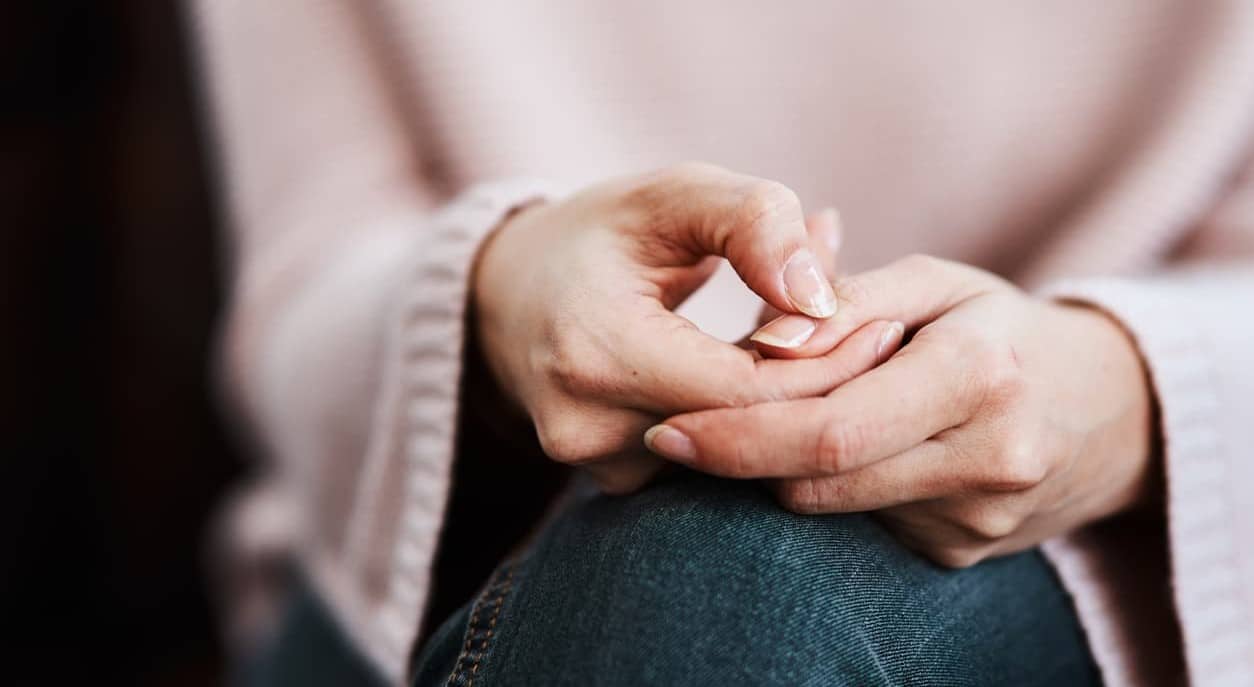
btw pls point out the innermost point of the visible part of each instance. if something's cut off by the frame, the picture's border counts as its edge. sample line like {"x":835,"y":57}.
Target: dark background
{"x":115,"y":454}
{"x":114,"y":457}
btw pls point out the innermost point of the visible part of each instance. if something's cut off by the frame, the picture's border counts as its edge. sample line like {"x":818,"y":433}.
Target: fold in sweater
{"x":1100,"y":152}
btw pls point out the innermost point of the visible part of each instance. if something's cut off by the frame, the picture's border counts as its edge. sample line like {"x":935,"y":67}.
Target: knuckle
{"x":654,"y":191}
{"x":656,"y":198}
{"x":989,"y":523}
{"x":576,"y":367}
{"x":955,"y":556}
{"x":738,"y":461}
{"x":766,"y":201}
{"x":836,"y":444}
{"x":559,"y":442}
{"x":568,"y":374}
{"x":657,"y":191}
{"x":752,"y":385}
{"x":566,"y":439}
{"x":799,"y":496}
{"x":1018,"y":465}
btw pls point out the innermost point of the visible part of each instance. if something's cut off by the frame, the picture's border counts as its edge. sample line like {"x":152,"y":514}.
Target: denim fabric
{"x":698,"y":581}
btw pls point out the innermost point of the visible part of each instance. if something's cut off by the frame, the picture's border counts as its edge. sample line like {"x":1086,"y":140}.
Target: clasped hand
{"x":1001,"y":421}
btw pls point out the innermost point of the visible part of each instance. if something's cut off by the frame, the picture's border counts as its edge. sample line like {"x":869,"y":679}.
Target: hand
{"x":574,"y":310}
{"x":778,"y":331}
{"x":1005,"y":420}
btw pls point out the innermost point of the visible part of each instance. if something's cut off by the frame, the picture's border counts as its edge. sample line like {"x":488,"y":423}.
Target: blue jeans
{"x":699,"y":581}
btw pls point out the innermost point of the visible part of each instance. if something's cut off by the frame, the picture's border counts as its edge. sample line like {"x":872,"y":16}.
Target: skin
{"x":574,"y":310}
{"x":1003,"y":421}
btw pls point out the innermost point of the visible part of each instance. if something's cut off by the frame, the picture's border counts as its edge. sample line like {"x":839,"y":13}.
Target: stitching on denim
{"x":461,"y":658}
{"x":496,"y":612}
{"x":464,"y":671}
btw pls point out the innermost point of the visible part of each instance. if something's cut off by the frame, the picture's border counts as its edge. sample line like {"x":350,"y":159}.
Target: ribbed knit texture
{"x":1095,"y":151}
{"x":1198,"y":355}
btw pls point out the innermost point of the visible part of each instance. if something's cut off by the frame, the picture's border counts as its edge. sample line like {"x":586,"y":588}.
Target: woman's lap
{"x":704,"y":581}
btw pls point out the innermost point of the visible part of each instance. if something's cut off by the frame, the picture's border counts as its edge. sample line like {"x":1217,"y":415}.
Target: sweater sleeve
{"x":343,"y":335}
{"x":1194,"y":324}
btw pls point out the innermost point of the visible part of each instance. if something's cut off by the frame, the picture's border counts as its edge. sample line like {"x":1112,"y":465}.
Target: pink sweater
{"x":1102,"y":151}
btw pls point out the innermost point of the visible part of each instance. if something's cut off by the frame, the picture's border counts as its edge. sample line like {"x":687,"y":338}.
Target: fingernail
{"x":889,"y":339}
{"x":669,"y":442}
{"x":785,"y":331}
{"x":807,"y":288}
{"x":835,"y":233}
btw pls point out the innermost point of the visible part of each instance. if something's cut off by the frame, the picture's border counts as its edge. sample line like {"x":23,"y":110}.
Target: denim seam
{"x":464,"y":670}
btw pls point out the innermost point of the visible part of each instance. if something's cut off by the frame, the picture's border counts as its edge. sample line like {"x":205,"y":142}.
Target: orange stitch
{"x":496,"y":611}
{"x":458,"y":666}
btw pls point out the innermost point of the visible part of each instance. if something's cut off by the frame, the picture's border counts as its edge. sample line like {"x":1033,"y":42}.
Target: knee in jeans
{"x":699,"y":538}
{"x":715,"y":573}
{"x":699,"y":581}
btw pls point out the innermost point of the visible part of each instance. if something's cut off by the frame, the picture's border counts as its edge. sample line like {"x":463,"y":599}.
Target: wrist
{"x":483,"y":268}
{"x":488,"y":314}
{"x":1132,"y":441}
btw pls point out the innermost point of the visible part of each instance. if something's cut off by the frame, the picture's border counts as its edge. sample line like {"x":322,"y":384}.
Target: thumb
{"x":826,"y":235}
{"x":758,"y":225}
{"x":913,"y":290}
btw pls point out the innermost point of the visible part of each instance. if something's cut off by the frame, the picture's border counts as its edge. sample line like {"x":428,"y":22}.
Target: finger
{"x":948,"y":530}
{"x":689,"y":375}
{"x":786,"y":337}
{"x":910,"y":398}
{"x":758,"y":225}
{"x":825,"y":233}
{"x":921,"y":529}
{"x":913,"y":290}
{"x":625,"y":474}
{"x":577,"y":432}
{"x":926,"y":471}
{"x":605,"y":441}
